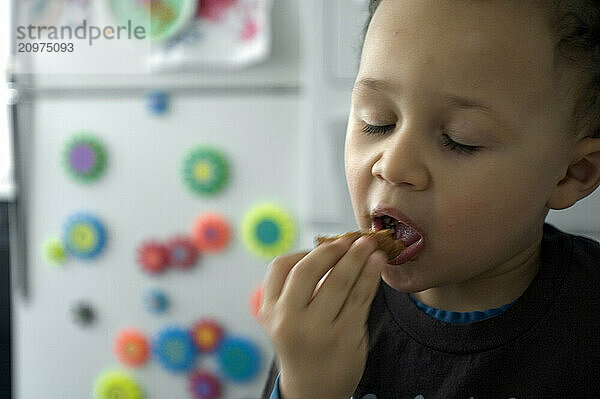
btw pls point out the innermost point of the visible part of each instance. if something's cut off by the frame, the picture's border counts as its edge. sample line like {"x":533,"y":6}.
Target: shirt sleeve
{"x":271,"y":389}
{"x":275,"y":393}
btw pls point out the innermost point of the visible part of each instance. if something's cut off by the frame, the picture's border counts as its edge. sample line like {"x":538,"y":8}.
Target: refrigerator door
{"x":141,"y":197}
{"x":251,"y":115}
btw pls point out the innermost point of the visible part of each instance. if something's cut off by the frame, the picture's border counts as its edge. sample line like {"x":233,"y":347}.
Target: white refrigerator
{"x":148,"y":202}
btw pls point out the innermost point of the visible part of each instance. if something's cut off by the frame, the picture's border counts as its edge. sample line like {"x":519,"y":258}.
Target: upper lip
{"x":384,"y":210}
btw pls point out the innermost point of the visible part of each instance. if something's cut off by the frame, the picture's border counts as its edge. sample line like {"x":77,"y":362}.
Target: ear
{"x":582,"y":177}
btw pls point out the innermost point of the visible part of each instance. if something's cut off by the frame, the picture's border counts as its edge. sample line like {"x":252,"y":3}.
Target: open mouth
{"x":410,"y":237}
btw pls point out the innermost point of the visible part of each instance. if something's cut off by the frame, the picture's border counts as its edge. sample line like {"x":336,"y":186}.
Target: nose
{"x":401,"y":161}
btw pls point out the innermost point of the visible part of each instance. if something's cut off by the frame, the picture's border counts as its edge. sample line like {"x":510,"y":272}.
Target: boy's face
{"x":480,"y":210}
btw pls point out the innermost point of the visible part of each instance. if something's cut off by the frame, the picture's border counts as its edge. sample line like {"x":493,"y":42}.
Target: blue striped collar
{"x":449,"y":316}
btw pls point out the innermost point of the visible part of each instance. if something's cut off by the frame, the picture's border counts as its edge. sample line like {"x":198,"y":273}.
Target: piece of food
{"x":384,"y":238}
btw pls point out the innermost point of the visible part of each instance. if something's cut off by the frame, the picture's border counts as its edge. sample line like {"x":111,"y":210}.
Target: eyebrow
{"x":457,"y":101}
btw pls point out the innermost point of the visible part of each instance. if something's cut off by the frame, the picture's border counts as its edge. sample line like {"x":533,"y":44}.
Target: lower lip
{"x":407,"y":254}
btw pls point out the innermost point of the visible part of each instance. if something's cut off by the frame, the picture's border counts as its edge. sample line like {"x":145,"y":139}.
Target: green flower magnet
{"x":205,"y":170}
{"x":268,"y":230}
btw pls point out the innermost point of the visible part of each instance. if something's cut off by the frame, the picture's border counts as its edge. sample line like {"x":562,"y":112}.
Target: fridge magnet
{"x":207,"y":335}
{"x":239,"y":359}
{"x":156,"y":301}
{"x":182,"y":252}
{"x":161,"y":18}
{"x":203,"y":384}
{"x":255,"y":302}
{"x":54,"y":252}
{"x":205,"y":170}
{"x":84,"y":158}
{"x":153,"y":257}
{"x":158,"y":102}
{"x":268,"y":230}
{"x":225,"y":34}
{"x":85,"y":236}
{"x":174,"y":349}
{"x":211,"y":233}
{"x":113,"y":384}
{"x":83,"y":314}
{"x":132,"y":348}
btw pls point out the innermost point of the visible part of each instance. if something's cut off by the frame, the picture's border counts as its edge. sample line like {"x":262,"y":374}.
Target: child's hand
{"x":322,"y":343}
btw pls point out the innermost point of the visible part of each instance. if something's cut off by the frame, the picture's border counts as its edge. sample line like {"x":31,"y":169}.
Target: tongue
{"x":406,"y":234}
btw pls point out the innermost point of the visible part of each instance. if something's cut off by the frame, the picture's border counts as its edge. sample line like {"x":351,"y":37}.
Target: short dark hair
{"x":576,"y":28}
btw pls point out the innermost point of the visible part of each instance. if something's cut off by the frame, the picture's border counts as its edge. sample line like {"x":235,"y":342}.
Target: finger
{"x":358,"y":304}
{"x":320,"y":283}
{"x":276,"y":275}
{"x":331,"y":296}
{"x":303,"y":278}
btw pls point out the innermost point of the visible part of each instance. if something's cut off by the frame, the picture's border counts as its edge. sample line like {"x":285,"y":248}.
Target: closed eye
{"x":452,"y":145}
{"x":446,"y":140}
{"x":374,"y":129}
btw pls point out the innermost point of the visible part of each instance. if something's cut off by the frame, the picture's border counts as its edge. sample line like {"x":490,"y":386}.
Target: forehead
{"x":498,"y":50}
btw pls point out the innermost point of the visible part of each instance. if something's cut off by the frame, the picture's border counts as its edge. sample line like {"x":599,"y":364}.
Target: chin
{"x":401,"y":282}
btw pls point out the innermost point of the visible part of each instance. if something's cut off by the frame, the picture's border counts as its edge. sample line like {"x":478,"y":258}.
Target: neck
{"x":490,"y":290}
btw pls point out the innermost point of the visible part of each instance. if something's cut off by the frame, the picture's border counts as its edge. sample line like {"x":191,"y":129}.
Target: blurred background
{"x":155,"y":156}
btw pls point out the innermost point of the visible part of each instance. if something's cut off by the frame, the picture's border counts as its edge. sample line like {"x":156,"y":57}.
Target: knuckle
{"x":282,"y":263}
{"x":278,"y":262}
{"x":264,"y":314}
{"x":286,"y":259}
{"x":296,"y":273}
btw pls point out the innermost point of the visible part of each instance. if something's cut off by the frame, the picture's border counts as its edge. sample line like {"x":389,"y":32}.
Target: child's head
{"x":474,"y":118}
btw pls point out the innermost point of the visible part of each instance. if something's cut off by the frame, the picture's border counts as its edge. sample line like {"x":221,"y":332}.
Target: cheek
{"x":353,"y":162}
{"x":358,"y":173}
{"x":357,"y":184}
{"x":495,"y":208}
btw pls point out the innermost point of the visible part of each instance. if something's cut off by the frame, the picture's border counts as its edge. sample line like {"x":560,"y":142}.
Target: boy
{"x":467,"y":125}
